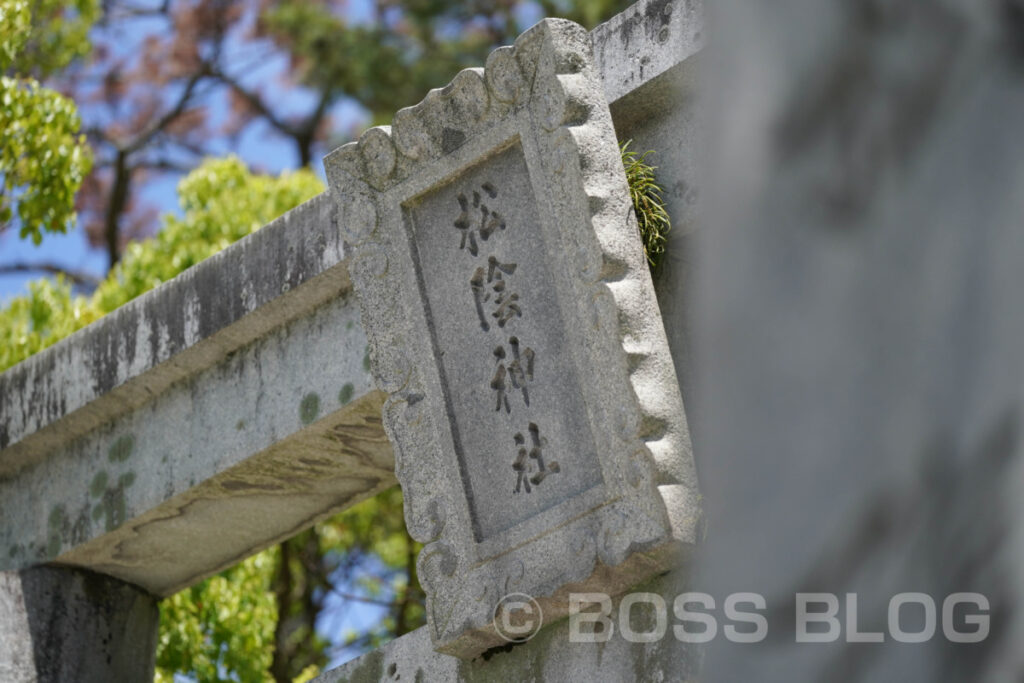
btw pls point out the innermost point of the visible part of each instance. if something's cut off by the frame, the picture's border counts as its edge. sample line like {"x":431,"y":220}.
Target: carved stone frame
{"x":543,"y":94}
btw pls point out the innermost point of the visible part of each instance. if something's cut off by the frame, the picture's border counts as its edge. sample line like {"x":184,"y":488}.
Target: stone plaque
{"x":499,"y":333}
{"x":532,"y":401}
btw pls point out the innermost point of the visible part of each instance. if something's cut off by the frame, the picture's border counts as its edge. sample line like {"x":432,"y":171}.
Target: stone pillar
{"x":861,"y":334}
{"x":65,"y":624}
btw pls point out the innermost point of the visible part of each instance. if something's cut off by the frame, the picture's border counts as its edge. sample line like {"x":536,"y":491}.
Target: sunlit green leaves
{"x":221,"y":629}
{"x":15,"y":19}
{"x":48,"y":313}
{"x":37,"y":38}
{"x":384,"y":66}
{"x":43,"y":159}
{"x":222,"y":202}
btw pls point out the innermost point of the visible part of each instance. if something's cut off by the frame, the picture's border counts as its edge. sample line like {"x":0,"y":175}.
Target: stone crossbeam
{"x":233,"y":406}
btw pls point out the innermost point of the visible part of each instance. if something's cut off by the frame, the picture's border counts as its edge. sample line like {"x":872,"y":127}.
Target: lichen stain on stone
{"x":99,"y":484}
{"x":366,"y":359}
{"x":346,"y":393}
{"x":309,"y":408}
{"x":240,"y":425}
{"x":122,"y":448}
{"x":56,"y":521}
{"x":368,"y":669}
{"x":112,"y":505}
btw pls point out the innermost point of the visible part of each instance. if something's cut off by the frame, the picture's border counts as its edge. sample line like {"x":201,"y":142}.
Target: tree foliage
{"x":222,"y":628}
{"x":43,"y":158}
{"x":153,"y":111}
{"x":221,"y":202}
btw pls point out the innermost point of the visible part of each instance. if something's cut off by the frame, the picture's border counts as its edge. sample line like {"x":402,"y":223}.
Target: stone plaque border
{"x":543,"y":94}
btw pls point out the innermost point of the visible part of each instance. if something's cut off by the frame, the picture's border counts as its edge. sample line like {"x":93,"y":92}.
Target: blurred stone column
{"x":64,"y":624}
{"x":859,"y":322}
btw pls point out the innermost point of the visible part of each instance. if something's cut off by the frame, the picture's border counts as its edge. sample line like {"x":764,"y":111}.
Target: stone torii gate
{"x":242,"y":401}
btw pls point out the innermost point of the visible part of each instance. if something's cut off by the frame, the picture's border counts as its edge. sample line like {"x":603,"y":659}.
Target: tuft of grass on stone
{"x":648,"y":204}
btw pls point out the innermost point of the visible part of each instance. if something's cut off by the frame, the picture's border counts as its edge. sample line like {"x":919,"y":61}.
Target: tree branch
{"x":305,"y":135}
{"x":77,"y":276}
{"x":163,"y":165}
{"x":359,"y":598}
{"x":118,"y":202}
{"x":402,"y":623}
{"x":169,"y":116}
{"x":255,"y":101}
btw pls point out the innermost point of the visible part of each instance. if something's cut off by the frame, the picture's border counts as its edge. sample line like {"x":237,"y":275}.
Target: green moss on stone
{"x":309,"y":408}
{"x":99,"y":484}
{"x":121,"y":449}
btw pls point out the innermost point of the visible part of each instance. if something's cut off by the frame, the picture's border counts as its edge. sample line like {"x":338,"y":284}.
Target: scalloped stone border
{"x":542,"y":92}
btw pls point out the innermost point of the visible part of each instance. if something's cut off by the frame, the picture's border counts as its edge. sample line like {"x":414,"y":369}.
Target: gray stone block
{"x":60,"y":624}
{"x":533,"y":404}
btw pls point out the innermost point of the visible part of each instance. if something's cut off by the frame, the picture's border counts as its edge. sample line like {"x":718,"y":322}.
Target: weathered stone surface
{"x":248,"y":451}
{"x":644,"y":42}
{"x":512,"y":321}
{"x":658,"y":114}
{"x":184,"y":326}
{"x":551,"y":655}
{"x":860,"y":327}
{"x":184,"y":500}
{"x":59,"y":624}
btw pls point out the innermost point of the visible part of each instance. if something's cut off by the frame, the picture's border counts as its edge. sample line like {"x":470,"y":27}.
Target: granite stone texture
{"x":120,"y":362}
{"x":236,"y":457}
{"x":533,"y":405}
{"x":59,"y":624}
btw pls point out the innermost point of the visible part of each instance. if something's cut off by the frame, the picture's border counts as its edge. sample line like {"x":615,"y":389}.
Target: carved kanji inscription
{"x":498,"y":334}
